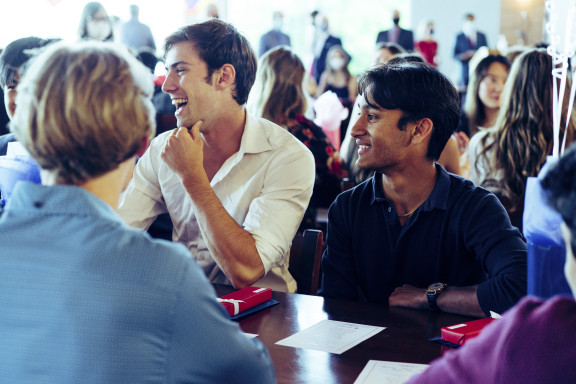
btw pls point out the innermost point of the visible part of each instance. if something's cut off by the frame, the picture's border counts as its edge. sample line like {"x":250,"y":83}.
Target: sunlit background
{"x":356,"y":22}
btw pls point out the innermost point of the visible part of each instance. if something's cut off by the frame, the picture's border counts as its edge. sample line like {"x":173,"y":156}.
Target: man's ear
{"x":422,"y":130}
{"x":225,"y":76}
{"x":143,"y":146}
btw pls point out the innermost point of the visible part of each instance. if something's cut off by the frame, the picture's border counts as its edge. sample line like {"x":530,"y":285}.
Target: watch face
{"x":436,"y":286}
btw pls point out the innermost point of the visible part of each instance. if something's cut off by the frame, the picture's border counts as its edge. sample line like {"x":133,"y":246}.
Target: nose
{"x":359,"y":127}
{"x":169,"y":85}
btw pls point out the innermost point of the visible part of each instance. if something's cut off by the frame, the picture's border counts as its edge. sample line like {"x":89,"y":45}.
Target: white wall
{"x":448,"y":16}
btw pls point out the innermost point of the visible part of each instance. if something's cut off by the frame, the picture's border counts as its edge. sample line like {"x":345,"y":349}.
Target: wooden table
{"x":405,"y":338}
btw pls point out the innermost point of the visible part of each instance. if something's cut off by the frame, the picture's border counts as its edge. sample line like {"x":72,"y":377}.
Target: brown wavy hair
{"x":523,"y":135}
{"x":473,"y":106}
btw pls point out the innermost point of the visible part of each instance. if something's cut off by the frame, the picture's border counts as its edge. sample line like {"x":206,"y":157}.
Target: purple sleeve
{"x":534,"y":342}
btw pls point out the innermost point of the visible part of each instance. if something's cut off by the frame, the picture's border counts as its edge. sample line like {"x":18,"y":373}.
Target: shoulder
{"x":154,"y":252}
{"x":278,"y":138}
{"x":482,"y":138}
{"x":363,"y":192}
{"x":466,"y":195}
{"x":535,"y":310}
{"x":549,"y":324}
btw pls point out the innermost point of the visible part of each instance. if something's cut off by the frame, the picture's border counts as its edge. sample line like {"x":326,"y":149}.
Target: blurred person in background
{"x":278,"y":96}
{"x":385,"y":51}
{"x":323,"y":41}
{"x":275,"y":37}
{"x":135,"y":34}
{"x":95,"y":24}
{"x":426,"y":45}
{"x":12,"y":67}
{"x":516,"y":147}
{"x":400,"y":36}
{"x":482,"y":103}
{"x":337,"y":77}
{"x":468,"y":40}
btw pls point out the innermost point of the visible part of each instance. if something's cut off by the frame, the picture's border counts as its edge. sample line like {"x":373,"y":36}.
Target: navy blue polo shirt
{"x":461,"y":235}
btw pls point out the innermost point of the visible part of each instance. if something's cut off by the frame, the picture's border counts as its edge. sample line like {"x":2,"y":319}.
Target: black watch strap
{"x":432,"y":293}
{"x":432,"y":301}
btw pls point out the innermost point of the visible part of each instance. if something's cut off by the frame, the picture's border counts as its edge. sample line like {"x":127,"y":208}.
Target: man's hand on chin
{"x":183,"y":151}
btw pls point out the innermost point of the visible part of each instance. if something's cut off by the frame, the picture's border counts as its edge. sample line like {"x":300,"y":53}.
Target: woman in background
{"x":482,"y":102}
{"x":337,"y":77}
{"x":483,"y":96}
{"x":95,"y":24}
{"x":278,"y":96}
{"x":426,"y":45}
{"x":503,"y":157}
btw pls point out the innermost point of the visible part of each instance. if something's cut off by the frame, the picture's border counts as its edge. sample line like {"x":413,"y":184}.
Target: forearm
{"x":232,"y":247}
{"x":461,"y":300}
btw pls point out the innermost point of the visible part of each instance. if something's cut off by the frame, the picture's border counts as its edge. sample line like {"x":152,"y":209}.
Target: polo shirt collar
{"x":437,"y":199}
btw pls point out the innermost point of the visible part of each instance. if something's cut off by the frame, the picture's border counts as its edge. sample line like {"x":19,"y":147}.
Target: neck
{"x":223,"y":137}
{"x":410,"y":187}
{"x":491,"y":115}
{"x":107,"y":187}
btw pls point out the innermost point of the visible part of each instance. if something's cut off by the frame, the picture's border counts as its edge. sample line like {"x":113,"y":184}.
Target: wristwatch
{"x":432,"y":293}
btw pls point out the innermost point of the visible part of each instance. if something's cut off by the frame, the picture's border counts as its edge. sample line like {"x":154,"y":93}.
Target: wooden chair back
{"x":305,"y":256}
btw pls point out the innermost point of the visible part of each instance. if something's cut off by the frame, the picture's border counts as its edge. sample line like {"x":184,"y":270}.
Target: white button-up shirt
{"x":265,"y":187}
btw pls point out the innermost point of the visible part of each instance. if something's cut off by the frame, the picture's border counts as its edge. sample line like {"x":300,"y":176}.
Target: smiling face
{"x":491,"y":86}
{"x":189,"y":85}
{"x":381,"y":144}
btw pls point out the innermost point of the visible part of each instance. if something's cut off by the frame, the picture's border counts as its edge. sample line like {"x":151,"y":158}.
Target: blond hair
{"x":278,"y":93}
{"x":83,"y":109}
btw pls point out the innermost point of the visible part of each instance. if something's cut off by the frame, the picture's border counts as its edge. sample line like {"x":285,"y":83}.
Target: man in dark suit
{"x":403,"y":37}
{"x":274,"y":37}
{"x":323,"y":42}
{"x":467,"y":43}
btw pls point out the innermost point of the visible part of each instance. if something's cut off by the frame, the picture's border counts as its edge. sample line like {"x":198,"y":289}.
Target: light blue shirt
{"x":86,"y":299}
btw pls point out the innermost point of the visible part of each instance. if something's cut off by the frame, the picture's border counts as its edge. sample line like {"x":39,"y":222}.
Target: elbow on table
{"x":246,"y":277}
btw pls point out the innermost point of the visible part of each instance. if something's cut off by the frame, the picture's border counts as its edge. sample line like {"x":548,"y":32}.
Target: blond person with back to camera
{"x":84,"y":297}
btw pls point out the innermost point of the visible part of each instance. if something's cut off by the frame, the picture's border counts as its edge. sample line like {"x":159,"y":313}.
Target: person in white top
{"x":236,"y":187}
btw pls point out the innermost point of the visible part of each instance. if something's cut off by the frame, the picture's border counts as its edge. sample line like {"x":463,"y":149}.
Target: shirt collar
{"x":254,"y":140}
{"x":59,"y":199}
{"x":437,"y":199}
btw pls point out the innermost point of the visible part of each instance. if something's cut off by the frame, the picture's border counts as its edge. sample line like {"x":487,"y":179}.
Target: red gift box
{"x":245,"y":298}
{"x":460,"y":333}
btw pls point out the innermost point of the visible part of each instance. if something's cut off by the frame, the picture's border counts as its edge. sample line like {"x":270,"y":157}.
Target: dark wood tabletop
{"x":405,"y":338}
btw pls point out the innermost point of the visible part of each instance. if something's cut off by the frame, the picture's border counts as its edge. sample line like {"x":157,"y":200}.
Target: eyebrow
{"x":369,"y":106}
{"x":174,"y":65}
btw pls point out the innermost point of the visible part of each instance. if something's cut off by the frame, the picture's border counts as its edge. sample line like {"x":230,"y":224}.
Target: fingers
{"x":195,"y":130}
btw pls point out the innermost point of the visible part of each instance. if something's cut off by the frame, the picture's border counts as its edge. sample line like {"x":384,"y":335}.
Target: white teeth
{"x":179,"y":101}
{"x":363,"y":147}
